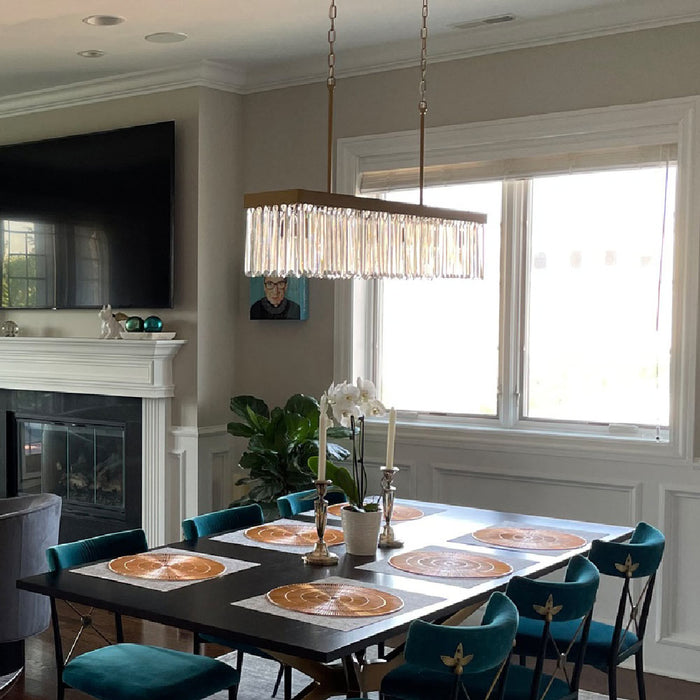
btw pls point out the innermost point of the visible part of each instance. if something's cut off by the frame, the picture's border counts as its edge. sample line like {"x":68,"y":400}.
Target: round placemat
{"x":293,"y":535}
{"x":166,"y":567}
{"x":334,"y":600}
{"x":399,"y":513}
{"x":528,"y":538}
{"x":450,"y":564}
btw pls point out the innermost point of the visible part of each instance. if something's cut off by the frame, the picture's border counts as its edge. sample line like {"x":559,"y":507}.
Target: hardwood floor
{"x":38,"y":682}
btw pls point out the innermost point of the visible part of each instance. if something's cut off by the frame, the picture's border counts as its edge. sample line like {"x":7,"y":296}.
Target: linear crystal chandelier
{"x":336,"y":236}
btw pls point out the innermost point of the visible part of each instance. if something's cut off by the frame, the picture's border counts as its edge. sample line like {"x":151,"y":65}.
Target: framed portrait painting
{"x":279,"y":299}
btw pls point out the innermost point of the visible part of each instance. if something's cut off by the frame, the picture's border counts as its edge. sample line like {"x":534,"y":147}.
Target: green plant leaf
{"x":240,"y":430}
{"x":338,"y":431}
{"x":306,"y":406}
{"x":241,"y":404}
{"x":298,"y":428}
{"x":259,"y":422}
{"x":340,"y":477}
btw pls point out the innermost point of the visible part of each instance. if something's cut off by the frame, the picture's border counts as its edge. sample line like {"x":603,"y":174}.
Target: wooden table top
{"x":205,"y":606}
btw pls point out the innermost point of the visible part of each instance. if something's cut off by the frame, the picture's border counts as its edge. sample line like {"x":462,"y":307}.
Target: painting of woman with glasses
{"x":278,"y":298}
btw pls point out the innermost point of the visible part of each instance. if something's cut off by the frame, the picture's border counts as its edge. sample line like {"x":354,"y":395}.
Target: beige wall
{"x":228,"y":144}
{"x":284,"y":146}
{"x":183,"y":107}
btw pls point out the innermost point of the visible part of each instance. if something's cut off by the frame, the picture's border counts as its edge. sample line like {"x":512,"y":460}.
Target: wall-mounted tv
{"x":87,"y":220}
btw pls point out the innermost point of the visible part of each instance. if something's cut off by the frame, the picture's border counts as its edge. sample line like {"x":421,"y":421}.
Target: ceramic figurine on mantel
{"x":110,"y":327}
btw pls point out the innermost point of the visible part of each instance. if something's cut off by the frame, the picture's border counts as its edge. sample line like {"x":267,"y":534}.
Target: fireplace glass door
{"x":82,"y":463}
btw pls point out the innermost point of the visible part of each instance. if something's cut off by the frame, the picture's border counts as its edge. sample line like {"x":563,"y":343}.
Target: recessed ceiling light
{"x":91,"y":53}
{"x":103,"y":20}
{"x":166,"y":37}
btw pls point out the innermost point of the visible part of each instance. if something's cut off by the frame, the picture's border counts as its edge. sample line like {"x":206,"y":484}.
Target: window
{"x":27,"y":264}
{"x":572,"y":329}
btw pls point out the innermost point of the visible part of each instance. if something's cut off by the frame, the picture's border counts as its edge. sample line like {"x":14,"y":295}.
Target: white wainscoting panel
{"x":679,"y":622}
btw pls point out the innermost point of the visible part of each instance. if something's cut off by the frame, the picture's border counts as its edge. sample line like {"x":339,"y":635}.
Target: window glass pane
{"x":439,"y":338}
{"x":592,"y":349}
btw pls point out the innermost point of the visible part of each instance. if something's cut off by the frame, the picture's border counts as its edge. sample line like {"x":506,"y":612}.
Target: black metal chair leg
{"x":233,"y":692}
{"x":239,"y":661}
{"x":639,"y":669}
{"x":278,"y":680}
{"x":287,"y":682}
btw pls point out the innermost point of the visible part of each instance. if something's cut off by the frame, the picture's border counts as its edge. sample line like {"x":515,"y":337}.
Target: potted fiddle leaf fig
{"x":280,"y":443}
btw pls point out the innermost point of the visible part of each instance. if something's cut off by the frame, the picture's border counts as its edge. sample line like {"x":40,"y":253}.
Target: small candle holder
{"x":387,"y":540}
{"x":320,"y":556}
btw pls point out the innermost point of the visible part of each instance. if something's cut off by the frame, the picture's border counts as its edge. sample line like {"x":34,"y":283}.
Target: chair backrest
{"x":301,"y":501}
{"x":221,"y":520}
{"x":570,"y":601}
{"x":638,"y":558}
{"x":114,"y":544}
{"x":461,"y":650}
{"x":28,"y":525}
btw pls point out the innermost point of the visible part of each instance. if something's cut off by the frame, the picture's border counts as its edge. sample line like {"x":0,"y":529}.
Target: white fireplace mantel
{"x":137,"y":368}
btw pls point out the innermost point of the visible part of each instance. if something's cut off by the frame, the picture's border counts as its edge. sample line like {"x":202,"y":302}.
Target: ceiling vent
{"x":498,"y":19}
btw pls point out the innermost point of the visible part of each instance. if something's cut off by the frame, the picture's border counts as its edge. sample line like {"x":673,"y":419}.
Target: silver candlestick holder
{"x":320,"y":556}
{"x":387,"y":540}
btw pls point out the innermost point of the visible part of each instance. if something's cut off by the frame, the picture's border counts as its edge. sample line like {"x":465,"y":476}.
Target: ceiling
{"x":262,"y":44}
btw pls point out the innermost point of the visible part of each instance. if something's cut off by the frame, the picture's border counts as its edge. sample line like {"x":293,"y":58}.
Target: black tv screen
{"x":87,"y":220}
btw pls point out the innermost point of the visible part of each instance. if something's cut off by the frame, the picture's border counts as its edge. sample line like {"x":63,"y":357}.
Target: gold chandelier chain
{"x":332,"y":14}
{"x":423,"y":103}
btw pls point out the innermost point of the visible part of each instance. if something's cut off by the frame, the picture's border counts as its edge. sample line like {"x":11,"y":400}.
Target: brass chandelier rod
{"x":332,"y":14}
{"x":423,"y":103}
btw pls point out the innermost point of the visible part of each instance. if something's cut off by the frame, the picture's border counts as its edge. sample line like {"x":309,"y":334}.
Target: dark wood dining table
{"x":333,"y":657}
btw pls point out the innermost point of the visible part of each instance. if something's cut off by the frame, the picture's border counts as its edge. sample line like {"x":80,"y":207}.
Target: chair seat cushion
{"x":518,"y":685}
{"x":140,"y":672}
{"x":410,"y":682}
{"x":238,"y":646}
{"x":597,"y":649}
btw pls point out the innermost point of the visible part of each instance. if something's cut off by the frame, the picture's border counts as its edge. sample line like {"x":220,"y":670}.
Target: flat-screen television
{"x":88,"y":220}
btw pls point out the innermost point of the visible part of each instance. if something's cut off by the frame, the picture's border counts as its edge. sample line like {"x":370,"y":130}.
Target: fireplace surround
{"x":140,"y":369}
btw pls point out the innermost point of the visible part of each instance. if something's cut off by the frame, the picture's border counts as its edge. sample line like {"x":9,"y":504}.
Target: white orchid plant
{"x":348,"y":404}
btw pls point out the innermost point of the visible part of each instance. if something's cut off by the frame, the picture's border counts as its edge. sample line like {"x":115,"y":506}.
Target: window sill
{"x":533,"y":440}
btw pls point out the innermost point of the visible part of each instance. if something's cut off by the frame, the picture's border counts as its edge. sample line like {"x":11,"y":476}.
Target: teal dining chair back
{"x":447,"y":663}
{"x":235,"y":518}
{"x":544,"y":606}
{"x":302,"y":501}
{"x":222,"y":520}
{"x":121,"y":671}
{"x":636,"y":563}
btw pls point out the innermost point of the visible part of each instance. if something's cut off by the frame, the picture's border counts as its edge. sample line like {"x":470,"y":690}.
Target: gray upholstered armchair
{"x":28,"y":526}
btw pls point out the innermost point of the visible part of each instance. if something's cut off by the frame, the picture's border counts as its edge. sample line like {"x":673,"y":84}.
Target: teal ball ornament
{"x":134,"y":324}
{"x":153,"y":325}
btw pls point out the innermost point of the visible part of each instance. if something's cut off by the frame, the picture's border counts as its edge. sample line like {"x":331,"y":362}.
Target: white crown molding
{"x":456,"y":45}
{"x":201,"y":74}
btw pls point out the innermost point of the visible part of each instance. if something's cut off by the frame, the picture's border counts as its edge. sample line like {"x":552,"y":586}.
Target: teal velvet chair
{"x":222,"y":520}
{"x":208,"y":524}
{"x":545,"y":606}
{"x":124,"y":671}
{"x":610,"y":644}
{"x":302,"y":501}
{"x":441,"y":662}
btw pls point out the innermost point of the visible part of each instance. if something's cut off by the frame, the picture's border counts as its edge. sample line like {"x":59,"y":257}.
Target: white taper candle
{"x":322,"y":428}
{"x":390,"y":438}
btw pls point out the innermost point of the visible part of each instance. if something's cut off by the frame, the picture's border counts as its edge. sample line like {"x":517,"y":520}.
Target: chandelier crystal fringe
{"x":304,"y":233}
{"x":317,"y":234}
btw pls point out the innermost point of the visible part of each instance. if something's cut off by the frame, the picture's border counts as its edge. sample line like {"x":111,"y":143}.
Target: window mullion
{"x":515,"y":197}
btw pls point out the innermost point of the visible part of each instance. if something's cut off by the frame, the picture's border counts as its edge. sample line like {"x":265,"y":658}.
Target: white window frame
{"x":663,"y":122}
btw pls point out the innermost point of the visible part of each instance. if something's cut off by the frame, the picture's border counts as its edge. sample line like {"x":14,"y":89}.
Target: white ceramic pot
{"x":361,"y":531}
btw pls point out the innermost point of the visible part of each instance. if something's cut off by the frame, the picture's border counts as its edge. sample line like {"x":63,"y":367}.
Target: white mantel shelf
{"x":140,"y":368}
